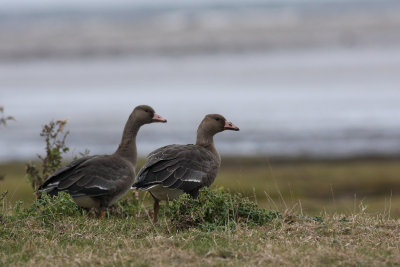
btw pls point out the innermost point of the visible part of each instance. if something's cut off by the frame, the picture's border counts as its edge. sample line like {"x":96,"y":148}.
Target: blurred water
{"x":326,"y":102}
{"x":300,"y":78}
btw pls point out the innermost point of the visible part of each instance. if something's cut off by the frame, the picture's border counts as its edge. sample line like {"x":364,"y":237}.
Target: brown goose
{"x":101,"y":180}
{"x":176,"y":169}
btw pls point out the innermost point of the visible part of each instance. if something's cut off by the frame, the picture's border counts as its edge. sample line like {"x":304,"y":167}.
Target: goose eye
{"x":147,"y":110}
{"x":217,"y":119}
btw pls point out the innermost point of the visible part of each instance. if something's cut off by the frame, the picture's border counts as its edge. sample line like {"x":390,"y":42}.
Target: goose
{"x":101,"y":180}
{"x":176,"y":169}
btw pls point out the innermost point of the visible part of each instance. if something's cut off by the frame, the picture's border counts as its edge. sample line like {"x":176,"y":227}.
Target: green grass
{"x":15,"y":182}
{"x":317,"y":186}
{"x":310,"y":187}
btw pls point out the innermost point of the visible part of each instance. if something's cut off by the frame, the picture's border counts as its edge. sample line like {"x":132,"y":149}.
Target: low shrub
{"x":215,"y":209}
{"x":50,"y":208}
{"x":127,"y":207}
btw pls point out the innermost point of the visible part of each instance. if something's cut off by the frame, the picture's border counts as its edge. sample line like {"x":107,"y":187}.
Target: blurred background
{"x":313,"y":85}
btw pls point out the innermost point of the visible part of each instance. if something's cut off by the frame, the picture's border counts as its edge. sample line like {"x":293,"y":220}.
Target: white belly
{"x":86,"y":202}
{"x":165,"y":193}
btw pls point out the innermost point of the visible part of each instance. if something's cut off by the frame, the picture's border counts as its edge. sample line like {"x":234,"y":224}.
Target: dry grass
{"x":292,"y":241}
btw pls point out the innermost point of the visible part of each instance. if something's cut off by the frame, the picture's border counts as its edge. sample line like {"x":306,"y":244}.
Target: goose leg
{"x":87,"y":210}
{"x":102,"y":214}
{"x":136,"y":195}
{"x":156,"y":208}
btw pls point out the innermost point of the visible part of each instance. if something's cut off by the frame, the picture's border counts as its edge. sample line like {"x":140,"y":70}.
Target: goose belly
{"x":87,"y":202}
{"x":118,"y":196}
{"x":164,"y":193}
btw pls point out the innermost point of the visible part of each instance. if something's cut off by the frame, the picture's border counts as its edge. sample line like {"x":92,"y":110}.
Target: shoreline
{"x":262,"y":159}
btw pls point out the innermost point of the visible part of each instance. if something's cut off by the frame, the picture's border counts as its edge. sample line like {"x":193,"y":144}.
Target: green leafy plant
{"x":217,"y":209}
{"x":55,"y":136}
{"x":129,"y":206}
{"x":50,"y":208}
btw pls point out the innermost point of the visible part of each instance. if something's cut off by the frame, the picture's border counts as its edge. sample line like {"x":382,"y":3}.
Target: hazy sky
{"x":92,"y":3}
{"x":44,"y":4}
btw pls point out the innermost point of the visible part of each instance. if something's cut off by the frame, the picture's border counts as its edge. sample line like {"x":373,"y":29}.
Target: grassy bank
{"x":330,"y":213}
{"x":64,"y":236}
{"x":309,"y":187}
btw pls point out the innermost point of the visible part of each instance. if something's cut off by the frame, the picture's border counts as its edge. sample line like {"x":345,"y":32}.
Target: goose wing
{"x":184,"y":167}
{"x":89,"y":176}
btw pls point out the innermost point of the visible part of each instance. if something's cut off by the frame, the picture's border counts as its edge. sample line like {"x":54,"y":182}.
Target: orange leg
{"x":156,"y":209}
{"x":102,"y":214}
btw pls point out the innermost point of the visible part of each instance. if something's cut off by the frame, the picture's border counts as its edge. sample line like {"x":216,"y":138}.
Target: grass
{"x":337,"y":213}
{"x":336,"y":186}
{"x":55,"y":233}
{"x":15,"y":182}
{"x":311,"y":187}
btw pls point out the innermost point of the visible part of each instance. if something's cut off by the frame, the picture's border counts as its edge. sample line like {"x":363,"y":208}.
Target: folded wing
{"x":89,"y":176}
{"x":184,"y":167}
